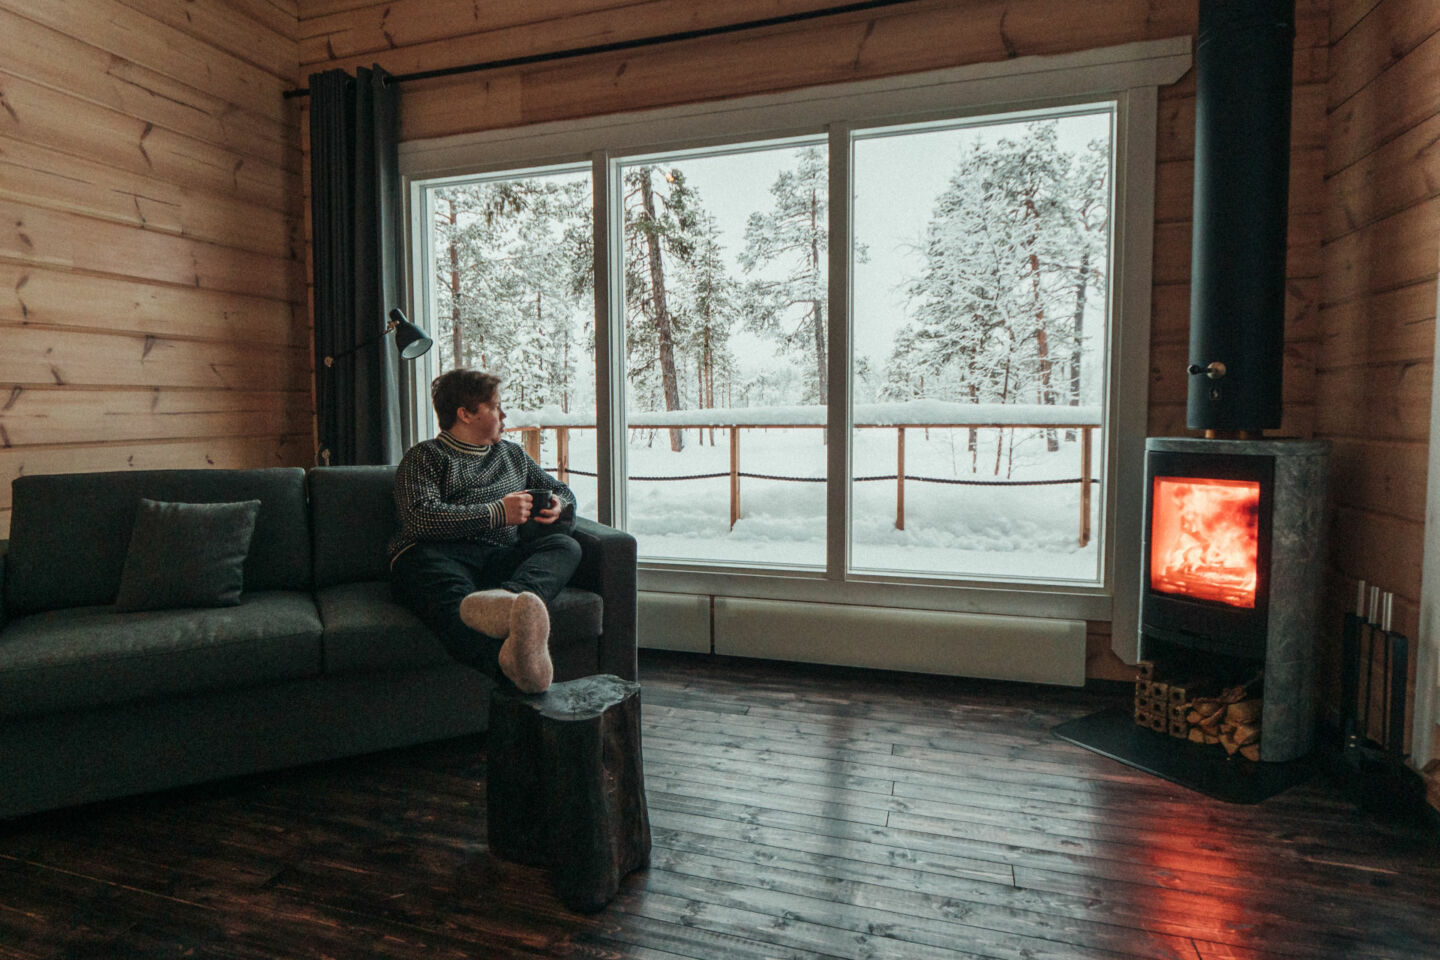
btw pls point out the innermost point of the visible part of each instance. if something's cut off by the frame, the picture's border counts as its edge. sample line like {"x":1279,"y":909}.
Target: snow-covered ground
{"x":1024,"y":532}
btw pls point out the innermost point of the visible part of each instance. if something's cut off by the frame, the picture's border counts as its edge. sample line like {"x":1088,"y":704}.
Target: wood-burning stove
{"x":1234,"y":523}
{"x":1234,"y":563}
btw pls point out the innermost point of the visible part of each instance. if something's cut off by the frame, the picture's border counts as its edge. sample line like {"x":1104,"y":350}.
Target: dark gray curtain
{"x":355,"y":214}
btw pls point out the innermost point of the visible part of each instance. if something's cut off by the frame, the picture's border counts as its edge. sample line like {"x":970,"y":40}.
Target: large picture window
{"x":724,"y":273}
{"x":859,"y":343}
{"x":981,"y":273}
{"x":509,"y":289}
{"x":979,"y":256}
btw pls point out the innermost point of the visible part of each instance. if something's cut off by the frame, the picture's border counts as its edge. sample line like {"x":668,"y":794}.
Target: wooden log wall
{"x":1380,"y":255}
{"x":151,"y":259}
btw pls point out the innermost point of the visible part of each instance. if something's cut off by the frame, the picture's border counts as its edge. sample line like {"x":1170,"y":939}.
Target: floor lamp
{"x":410,"y":340}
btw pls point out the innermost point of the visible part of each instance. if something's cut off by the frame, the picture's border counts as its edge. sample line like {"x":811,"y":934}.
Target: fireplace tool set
{"x":1374,"y":672}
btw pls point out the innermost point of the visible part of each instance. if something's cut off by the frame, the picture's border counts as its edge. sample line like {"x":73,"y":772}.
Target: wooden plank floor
{"x":797,"y":813}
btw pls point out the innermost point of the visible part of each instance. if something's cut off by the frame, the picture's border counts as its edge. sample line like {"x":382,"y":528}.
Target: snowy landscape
{"x":980,"y":286}
{"x":1021,"y":532}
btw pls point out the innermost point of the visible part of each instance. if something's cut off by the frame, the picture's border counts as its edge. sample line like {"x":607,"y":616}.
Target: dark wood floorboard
{"x":801,"y":813}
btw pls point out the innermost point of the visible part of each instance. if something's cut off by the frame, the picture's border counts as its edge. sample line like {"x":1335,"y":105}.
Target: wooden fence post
{"x":1085,"y":486}
{"x":530,"y":437}
{"x":562,"y":453}
{"x":734,"y":476}
{"x":899,"y":478}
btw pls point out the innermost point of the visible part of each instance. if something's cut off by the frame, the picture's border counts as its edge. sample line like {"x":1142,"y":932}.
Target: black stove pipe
{"x":1243,"y":59}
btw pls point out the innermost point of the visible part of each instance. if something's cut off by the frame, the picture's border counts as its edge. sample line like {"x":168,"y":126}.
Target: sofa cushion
{"x":92,"y":656}
{"x":366,"y":629}
{"x":69,"y":532}
{"x":352,"y":513}
{"x":186,"y":555}
{"x":575,"y":617}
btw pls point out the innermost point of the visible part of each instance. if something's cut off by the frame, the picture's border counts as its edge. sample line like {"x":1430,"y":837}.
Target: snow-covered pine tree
{"x":511,"y":292}
{"x":1089,"y":196}
{"x":786,"y":246}
{"x":1035,"y":174}
{"x":661,"y":218}
{"x":709,"y":308}
{"x":469,"y":228}
{"x":1004,"y":264}
{"x":967,"y":297}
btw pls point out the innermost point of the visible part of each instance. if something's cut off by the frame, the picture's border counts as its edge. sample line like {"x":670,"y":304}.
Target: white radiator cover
{"x":673,"y":621}
{"x":1028,"y":649}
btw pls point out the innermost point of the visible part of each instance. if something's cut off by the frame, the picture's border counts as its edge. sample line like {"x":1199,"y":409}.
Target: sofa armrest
{"x":607,"y":566}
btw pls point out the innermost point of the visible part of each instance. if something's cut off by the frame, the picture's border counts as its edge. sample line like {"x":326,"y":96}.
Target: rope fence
{"x":531,"y":438}
{"x":885,"y":476}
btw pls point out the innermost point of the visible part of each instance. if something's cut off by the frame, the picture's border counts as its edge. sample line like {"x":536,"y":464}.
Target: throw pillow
{"x":187,"y":555}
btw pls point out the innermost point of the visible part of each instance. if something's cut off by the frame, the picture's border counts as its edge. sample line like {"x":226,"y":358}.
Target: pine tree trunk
{"x":1000,"y":441}
{"x":708,"y":384}
{"x":662,"y":315}
{"x":457,"y":342}
{"x":1042,"y":350}
{"x":565,"y":370}
{"x":1079,"y":331}
{"x":817,"y":316}
{"x":973,"y":442}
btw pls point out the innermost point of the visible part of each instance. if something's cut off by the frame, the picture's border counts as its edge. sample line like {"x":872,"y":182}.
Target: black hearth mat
{"x":1208,"y":770}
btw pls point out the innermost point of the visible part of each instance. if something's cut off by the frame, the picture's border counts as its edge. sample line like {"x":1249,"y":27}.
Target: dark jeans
{"x":432,"y":578}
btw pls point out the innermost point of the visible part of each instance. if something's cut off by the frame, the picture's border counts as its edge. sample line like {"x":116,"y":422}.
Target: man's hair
{"x":454,"y":389}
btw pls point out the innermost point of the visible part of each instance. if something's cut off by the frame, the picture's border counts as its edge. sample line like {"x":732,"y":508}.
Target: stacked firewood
{"x":1158,"y":703}
{"x":1191,"y":709}
{"x":1229,"y":719}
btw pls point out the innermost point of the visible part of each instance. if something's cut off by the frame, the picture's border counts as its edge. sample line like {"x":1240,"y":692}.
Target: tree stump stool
{"x":565,"y":788}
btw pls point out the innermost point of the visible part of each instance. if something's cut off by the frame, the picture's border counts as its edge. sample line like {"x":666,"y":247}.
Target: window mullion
{"x":838,"y":414}
{"x":422,"y":307}
{"x":609,"y":341}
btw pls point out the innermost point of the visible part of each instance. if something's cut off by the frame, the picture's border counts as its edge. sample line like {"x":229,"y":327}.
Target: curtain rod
{"x":635,"y":44}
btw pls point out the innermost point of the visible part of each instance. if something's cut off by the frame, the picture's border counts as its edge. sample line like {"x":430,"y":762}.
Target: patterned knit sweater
{"x":446,"y":489}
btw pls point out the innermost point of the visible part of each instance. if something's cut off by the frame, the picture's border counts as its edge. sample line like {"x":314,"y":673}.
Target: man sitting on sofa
{"x":457,"y":559}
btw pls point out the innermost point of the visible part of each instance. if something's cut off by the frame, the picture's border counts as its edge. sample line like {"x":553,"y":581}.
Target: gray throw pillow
{"x":187,"y":555}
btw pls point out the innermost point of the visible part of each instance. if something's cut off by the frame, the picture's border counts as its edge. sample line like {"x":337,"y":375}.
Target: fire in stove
{"x":1205,"y":539}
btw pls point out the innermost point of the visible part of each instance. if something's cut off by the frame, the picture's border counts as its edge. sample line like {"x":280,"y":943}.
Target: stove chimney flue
{"x":1243,"y":60}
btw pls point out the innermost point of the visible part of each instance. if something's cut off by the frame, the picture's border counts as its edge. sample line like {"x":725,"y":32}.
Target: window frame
{"x":1128,"y":75}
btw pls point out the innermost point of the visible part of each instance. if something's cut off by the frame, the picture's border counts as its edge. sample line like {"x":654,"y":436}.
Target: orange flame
{"x":1205,"y":539}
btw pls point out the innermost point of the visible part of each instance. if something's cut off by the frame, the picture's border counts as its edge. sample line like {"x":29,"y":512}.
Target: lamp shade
{"x":409,"y":339}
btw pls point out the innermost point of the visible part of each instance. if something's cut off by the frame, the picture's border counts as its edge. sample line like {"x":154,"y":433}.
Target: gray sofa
{"x":316,"y":662}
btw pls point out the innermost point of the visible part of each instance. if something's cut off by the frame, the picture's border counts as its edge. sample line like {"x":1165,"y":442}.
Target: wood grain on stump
{"x":565,"y":785}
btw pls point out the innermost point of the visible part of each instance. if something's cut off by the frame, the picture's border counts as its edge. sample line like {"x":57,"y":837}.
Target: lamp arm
{"x":329,"y":361}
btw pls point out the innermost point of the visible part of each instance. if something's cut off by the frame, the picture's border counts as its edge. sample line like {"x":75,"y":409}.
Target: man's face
{"x":486,"y":421}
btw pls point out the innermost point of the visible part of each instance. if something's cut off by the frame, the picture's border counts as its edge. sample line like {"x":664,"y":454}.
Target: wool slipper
{"x":488,"y":611}
{"x":525,"y":656}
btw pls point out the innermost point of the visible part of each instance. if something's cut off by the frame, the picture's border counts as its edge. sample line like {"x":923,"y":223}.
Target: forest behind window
{"x":980,"y":285}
